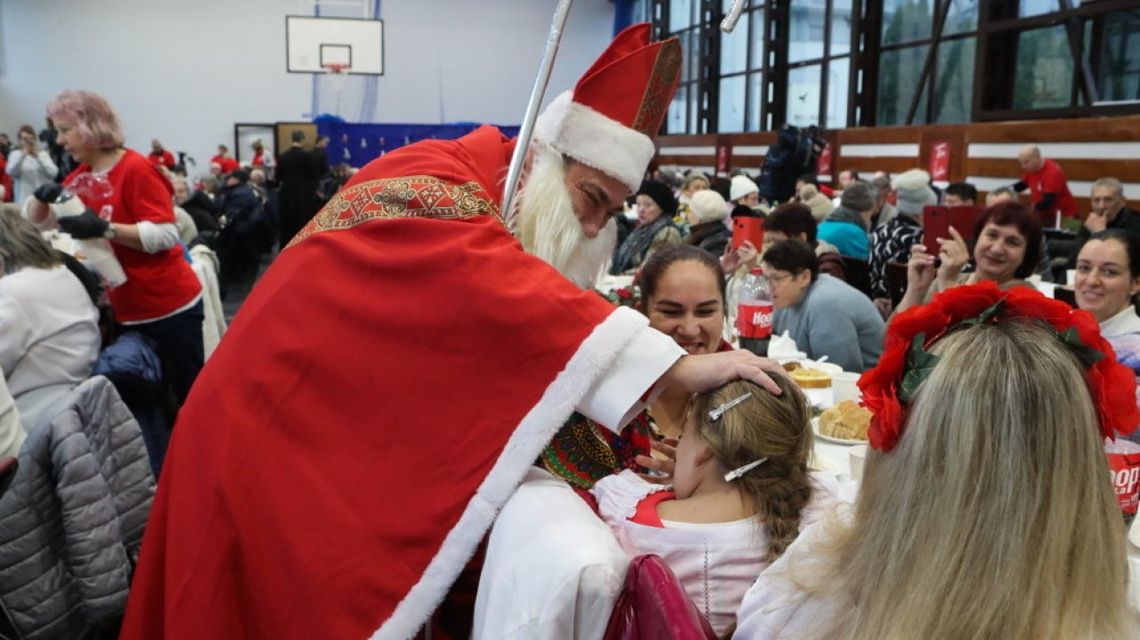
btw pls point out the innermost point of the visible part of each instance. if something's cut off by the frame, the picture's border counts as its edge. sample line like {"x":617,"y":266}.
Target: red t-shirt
{"x":157,"y":283}
{"x":5,"y":181}
{"x":1050,"y":179}
{"x":227,"y":163}
{"x":162,"y":159}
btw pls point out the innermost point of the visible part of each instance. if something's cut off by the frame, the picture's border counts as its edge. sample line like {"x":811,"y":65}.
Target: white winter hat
{"x":707,"y":205}
{"x":741,"y":186}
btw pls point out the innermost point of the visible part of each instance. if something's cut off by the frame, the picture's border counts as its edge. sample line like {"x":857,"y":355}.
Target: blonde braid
{"x":775,"y":427}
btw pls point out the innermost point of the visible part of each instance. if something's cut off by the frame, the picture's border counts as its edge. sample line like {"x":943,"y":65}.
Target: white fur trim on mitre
{"x":595,"y":356}
{"x":595,"y":140}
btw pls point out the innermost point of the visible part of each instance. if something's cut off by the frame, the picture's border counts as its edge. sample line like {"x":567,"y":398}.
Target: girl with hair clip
{"x":741,"y":490}
{"x":985,"y":509}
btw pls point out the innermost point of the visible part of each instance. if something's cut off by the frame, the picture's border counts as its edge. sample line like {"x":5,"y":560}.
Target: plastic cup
{"x":856,"y":456}
{"x":845,"y":386}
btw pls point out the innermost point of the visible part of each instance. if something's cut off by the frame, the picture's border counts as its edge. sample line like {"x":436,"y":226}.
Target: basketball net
{"x":337,"y":74}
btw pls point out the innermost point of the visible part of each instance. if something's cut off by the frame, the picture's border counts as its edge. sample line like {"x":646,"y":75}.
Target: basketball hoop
{"x":337,"y":72}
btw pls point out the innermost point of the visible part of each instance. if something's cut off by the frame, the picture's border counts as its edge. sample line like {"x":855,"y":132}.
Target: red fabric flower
{"x":1112,"y":385}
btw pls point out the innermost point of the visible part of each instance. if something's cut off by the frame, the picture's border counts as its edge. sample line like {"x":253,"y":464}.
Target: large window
{"x":742,"y":73}
{"x":682,"y":21}
{"x":819,"y":63}
{"x":909,"y":31}
{"x":841,"y":63}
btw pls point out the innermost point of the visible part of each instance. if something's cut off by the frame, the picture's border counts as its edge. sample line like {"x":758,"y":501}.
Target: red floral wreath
{"x":905,"y":363}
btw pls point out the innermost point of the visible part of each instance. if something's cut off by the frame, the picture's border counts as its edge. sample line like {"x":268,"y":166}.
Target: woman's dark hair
{"x":792,"y":219}
{"x":793,"y":256}
{"x":1131,"y":244}
{"x":1028,"y":223}
{"x":655,"y":267}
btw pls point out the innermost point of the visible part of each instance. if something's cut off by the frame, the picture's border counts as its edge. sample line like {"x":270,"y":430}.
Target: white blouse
{"x":716,"y":563}
{"x":49,"y":332}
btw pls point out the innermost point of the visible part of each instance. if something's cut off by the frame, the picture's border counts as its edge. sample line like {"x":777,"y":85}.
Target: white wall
{"x":185,"y":71}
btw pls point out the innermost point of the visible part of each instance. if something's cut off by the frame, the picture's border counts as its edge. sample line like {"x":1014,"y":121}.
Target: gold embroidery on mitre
{"x":659,"y":90}
{"x":403,"y":197}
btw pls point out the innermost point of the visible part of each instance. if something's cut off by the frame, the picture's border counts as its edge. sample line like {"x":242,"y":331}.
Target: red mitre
{"x":608,"y":121}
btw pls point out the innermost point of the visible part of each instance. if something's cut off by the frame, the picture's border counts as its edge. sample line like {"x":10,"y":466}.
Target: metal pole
{"x":536,"y":95}
{"x":729,"y":22}
{"x":928,"y":64}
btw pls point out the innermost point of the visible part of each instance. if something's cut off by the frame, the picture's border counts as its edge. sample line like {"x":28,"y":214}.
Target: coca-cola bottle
{"x":754,"y":313}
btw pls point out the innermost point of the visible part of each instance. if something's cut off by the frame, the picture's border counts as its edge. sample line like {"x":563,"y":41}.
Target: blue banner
{"x":358,"y":144}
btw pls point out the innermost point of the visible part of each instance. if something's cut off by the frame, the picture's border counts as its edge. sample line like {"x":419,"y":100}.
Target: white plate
{"x":843,"y":441}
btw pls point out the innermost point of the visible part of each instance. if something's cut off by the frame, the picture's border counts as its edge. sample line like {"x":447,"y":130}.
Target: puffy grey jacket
{"x":72,"y":521}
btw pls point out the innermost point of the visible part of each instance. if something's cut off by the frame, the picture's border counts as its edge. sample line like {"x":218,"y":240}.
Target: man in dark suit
{"x":297,"y":175}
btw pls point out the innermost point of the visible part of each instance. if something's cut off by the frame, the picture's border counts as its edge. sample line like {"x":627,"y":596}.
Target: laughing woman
{"x":682,"y":293}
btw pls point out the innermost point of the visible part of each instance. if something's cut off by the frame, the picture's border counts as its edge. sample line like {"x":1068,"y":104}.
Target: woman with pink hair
{"x":129,"y":203}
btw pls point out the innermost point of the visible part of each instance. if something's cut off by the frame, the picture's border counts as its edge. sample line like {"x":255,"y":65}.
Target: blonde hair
{"x":21,"y":245}
{"x":763,"y":426}
{"x":993,"y":516}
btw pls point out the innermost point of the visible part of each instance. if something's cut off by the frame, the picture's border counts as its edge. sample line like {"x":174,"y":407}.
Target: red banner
{"x":823,"y":165}
{"x":722,"y":155}
{"x":940,"y":161}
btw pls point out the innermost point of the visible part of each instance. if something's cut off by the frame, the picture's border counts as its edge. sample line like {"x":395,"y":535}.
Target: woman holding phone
{"x":1007,"y":248}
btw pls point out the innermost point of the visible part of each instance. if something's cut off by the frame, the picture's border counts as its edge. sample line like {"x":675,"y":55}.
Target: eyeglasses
{"x":779,"y":279}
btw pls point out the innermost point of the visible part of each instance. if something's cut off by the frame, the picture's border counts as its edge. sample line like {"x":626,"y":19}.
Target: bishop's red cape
{"x":375,"y":402}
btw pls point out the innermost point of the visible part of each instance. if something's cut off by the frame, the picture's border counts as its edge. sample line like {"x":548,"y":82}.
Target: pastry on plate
{"x":846,"y":421}
{"x":809,"y":378}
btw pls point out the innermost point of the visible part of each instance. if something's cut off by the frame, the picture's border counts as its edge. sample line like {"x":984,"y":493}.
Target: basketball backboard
{"x":314,"y":44}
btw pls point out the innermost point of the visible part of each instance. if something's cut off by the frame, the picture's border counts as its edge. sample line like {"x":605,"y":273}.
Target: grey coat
{"x":72,"y":521}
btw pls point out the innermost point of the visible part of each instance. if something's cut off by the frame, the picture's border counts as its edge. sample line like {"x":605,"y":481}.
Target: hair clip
{"x":715,"y":414}
{"x":739,"y":471}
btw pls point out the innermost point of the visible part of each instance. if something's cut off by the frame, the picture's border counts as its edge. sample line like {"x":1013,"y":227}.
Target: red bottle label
{"x":754,"y":319}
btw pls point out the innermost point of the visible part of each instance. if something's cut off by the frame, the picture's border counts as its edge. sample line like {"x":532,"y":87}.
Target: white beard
{"x":548,"y":228}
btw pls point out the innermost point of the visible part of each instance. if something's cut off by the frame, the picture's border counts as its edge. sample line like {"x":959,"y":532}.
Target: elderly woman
{"x":1006,"y":251}
{"x":162,"y":298}
{"x":49,"y":333}
{"x":824,"y":315}
{"x":655,"y":229}
{"x":984,"y":510}
{"x":706,"y":222}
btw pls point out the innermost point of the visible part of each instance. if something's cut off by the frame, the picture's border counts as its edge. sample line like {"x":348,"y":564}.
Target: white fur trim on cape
{"x":595,"y":355}
{"x":595,"y":140}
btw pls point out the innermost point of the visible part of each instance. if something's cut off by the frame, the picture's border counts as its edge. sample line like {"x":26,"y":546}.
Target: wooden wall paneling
{"x":686,"y":141}
{"x":953,"y":134}
{"x":867,"y":166}
{"x":832,"y":138}
{"x":880,"y":135}
{"x":750,"y":163}
{"x":1082,"y":169}
{"x":687,"y":160}
{"x":1121,"y":129}
{"x":752,"y":139}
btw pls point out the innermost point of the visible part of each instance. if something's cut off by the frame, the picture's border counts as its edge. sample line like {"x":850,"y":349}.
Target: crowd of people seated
{"x":717,"y":484}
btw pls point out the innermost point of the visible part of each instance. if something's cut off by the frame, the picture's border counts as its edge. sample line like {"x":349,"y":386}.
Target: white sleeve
{"x":12,"y":433}
{"x":15,"y":159}
{"x":157,"y":237}
{"x":48,"y":166}
{"x":616,"y":397}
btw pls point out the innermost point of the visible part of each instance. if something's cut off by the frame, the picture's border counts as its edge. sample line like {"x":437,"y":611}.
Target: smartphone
{"x":1066,"y":295}
{"x":937,"y":220}
{"x":749,"y":228}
